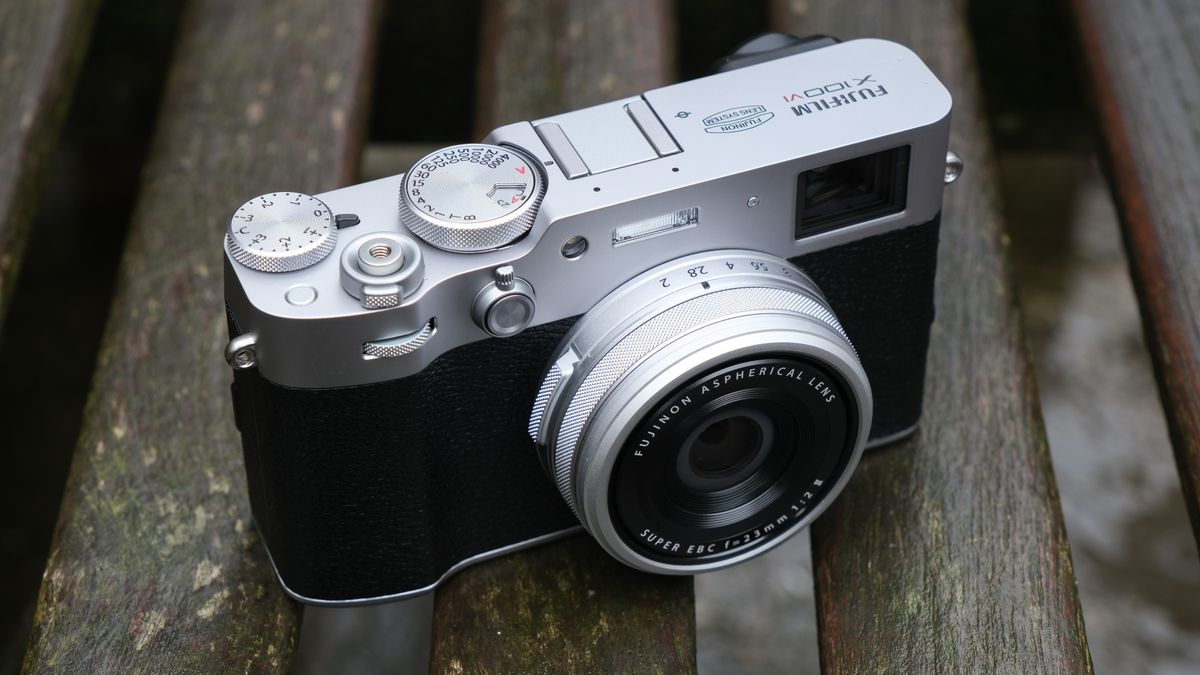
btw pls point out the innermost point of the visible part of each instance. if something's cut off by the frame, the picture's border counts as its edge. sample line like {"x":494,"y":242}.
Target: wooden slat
{"x":155,"y":566}
{"x":42,"y":44}
{"x":947,"y":552}
{"x":565,"y":607}
{"x":542,"y":57}
{"x":1145,"y":72}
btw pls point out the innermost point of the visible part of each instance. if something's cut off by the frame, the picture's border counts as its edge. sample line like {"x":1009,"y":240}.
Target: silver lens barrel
{"x":644,"y":343}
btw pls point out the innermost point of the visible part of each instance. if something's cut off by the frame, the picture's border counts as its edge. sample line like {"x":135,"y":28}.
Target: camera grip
{"x":371,"y":491}
{"x":881,"y":289}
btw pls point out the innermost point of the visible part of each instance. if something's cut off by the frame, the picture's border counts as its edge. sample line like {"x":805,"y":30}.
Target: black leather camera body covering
{"x":378,"y":491}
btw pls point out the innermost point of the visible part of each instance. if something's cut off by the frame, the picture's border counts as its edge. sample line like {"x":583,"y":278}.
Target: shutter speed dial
{"x":281,"y":232}
{"x":473,"y":197}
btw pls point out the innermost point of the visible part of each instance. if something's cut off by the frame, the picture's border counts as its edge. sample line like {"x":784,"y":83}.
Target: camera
{"x":675,"y":320}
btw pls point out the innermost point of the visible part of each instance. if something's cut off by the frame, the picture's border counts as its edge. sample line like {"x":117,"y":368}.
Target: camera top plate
{"x":727,"y":147}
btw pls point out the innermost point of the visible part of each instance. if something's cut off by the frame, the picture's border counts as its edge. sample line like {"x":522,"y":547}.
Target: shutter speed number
{"x":470,"y":184}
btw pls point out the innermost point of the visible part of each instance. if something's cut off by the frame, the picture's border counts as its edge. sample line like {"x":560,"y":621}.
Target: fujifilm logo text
{"x":834,"y":95}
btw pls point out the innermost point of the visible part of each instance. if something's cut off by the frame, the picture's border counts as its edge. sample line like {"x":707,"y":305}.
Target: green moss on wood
{"x":948,"y":552}
{"x":155,"y":566}
{"x":565,"y":607}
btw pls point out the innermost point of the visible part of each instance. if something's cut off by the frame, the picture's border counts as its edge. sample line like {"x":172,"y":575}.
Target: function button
{"x":510,"y":314}
{"x":300,"y":295}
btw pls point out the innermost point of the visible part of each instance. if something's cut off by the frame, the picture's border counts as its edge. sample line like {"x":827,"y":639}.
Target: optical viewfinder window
{"x":852,"y":191}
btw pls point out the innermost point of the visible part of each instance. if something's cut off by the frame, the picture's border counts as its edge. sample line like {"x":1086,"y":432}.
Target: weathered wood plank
{"x":42,"y":44}
{"x":1145,"y":74}
{"x":155,"y":566}
{"x":948,"y":552}
{"x":541,"y":57}
{"x":565,"y":607}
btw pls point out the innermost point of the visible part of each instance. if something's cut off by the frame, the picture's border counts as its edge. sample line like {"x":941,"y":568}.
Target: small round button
{"x":300,"y":295}
{"x":509,"y":315}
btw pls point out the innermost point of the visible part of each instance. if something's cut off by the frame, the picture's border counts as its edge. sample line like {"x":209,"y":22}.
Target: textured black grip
{"x":365,"y":492}
{"x":881,"y":289}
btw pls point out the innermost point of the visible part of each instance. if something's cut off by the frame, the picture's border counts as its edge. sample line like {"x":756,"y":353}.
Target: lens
{"x":775,"y":445}
{"x":703,"y":412}
{"x":725,"y":449}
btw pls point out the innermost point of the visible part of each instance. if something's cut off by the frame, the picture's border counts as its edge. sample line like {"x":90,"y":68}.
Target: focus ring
{"x":654,"y":333}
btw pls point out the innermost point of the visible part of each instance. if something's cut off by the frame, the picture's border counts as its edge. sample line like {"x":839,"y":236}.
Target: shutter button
{"x":504,"y":307}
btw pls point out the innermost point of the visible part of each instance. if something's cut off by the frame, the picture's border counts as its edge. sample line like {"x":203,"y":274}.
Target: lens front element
{"x":703,"y":412}
{"x":719,"y":451}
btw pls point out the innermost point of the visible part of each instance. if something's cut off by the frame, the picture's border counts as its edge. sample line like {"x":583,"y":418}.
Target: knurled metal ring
{"x":474,"y":236}
{"x":399,"y":346}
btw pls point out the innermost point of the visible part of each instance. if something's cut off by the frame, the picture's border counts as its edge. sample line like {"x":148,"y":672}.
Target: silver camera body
{"x":658,"y":243}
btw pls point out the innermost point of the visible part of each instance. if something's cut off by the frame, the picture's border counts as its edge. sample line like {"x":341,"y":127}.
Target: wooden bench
{"x":947,"y":551}
{"x":155,"y":565}
{"x":1145,"y":76}
{"x":41,"y":47}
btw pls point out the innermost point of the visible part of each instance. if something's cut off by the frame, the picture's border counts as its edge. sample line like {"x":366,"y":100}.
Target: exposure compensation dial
{"x":281,"y":232}
{"x":473,"y":197}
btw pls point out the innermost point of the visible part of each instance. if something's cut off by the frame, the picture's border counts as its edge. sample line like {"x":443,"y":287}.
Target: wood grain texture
{"x":1145,"y":74}
{"x":155,"y":566}
{"x":542,"y":57}
{"x":947,"y":552}
{"x":567,"y":606}
{"x":42,"y":44}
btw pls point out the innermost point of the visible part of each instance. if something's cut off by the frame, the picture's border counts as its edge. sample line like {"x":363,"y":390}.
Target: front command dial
{"x":473,"y":197}
{"x":281,"y":232}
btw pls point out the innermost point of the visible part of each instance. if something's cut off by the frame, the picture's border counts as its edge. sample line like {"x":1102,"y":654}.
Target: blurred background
{"x":1133,"y":552}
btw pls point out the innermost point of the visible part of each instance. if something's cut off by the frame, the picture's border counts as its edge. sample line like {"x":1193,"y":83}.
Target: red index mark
{"x":521,"y":170}
{"x":514,"y":199}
